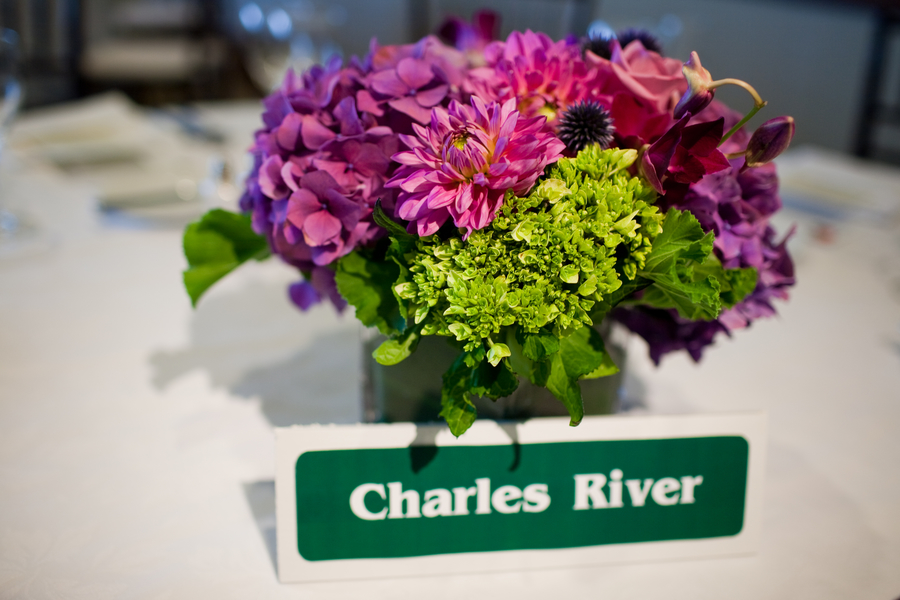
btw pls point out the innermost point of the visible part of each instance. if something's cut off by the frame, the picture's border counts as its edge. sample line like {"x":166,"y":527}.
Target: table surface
{"x":136,"y":444}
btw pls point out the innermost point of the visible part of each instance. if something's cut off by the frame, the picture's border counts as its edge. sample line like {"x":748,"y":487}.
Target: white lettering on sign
{"x":667,"y":491}
{"x":592,"y":490}
{"x":358,"y":501}
{"x":405,"y":504}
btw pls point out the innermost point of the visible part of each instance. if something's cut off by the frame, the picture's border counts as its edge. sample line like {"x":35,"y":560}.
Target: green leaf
{"x":581,"y":355}
{"x":401,"y":240}
{"x":458,"y":411}
{"x":675,"y":266}
{"x":498,"y":352}
{"x":456,"y":408}
{"x":692,"y":300}
{"x":583,"y":352}
{"x":682,"y":238}
{"x":566,"y":390}
{"x":368,"y":285}
{"x":493,"y":382}
{"x":538,"y":346}
{"x":393,"y":228}
{"x":216,"y":245}
{"x":742,"y":282}
{"x":396,"y":350}
{"x":735,"y":284}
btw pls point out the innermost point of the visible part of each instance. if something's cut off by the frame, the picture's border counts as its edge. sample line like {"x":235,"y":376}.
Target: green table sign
{"x":362,"y":501}
{"x":399,"y":502}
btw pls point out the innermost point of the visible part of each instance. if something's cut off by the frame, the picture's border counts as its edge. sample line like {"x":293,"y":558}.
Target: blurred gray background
{"x":833,"y":65}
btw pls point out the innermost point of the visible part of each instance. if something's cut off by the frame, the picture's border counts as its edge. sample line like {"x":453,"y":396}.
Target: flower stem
{"x":731,"y":155}
{"x":740,"y":123}
{"x":758,"y":102}
{"x":750,"y":89}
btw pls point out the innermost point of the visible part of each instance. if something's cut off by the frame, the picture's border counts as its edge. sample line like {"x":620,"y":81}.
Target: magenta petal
{"x":346,"y":210}
{"x":288,"y":133}
{"x":324,"y":283}
{"x":464,"y":198}
{"x":304,"y":295}
{"x":320,"y":227}
{"x":314,"y":134}
{"x":440,"y":197}
{"x":270,"y":182}
{"x":414,"y":72}
{"x":318,"y":182}
{"x":291,"y":173}
{"x":346,"y":113}
{"x":430,"y":224}
{"x":367,"y":103}
{"x":328,"y":253}
{"x":410,"y":107}
{"x":387,"y":83}
{"x":302,"y":204}
{"x":371,"y":160}
{"x":429,"y":98}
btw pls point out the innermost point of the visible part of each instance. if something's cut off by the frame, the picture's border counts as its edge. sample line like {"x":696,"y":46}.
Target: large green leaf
{"x":216,"y":245}
{"x":692,"y":299}
{"x":673,"y":267}
{"x":681,"y":239}
{"x":538,"y":346}
{"x":367,"y":285}
{"x":735,"y":283}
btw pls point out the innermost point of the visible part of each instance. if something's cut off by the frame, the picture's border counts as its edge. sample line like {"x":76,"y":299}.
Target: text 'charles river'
{"x":592,"y":491}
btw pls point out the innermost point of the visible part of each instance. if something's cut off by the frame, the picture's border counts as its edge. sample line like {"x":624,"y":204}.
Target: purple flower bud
{"x":698,"y":95}
{"x":769,"y":140}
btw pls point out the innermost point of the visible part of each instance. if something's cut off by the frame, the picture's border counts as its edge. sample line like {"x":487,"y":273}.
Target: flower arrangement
{"x":509,"y":196}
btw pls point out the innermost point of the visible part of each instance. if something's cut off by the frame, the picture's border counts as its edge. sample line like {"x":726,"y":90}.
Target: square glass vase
{"x":411,"y":390}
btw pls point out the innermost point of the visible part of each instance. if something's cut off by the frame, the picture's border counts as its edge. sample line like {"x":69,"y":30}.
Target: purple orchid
{"x":682,"y":156}
{"x":769,"y":140}
{"x":698,"y":95}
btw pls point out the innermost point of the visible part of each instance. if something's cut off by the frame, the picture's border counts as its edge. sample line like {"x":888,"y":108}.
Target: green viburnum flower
{"x":519,"y":296}
{"x":544,"y":261}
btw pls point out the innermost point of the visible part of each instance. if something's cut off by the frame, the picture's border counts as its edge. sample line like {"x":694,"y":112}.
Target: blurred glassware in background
{"x":280,"y":34}
{"x":13,"y":226}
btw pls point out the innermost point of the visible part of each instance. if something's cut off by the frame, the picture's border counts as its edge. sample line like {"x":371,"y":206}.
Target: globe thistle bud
{"x":698,"y":95}
{"x":584,"y":124}
{"x":769,"y":140}
{"x":601,"y":46}
{"x":648,"y":40}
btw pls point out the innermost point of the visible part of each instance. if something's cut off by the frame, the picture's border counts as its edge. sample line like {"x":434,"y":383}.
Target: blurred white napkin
{"x":835,"y":185}
{"x":131,"y":159}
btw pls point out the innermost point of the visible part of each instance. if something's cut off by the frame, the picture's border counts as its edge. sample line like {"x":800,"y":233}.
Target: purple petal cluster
{"x":323,"y":155}
{"x":462,"y":165}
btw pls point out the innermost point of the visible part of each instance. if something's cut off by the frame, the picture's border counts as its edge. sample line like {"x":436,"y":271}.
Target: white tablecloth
{"x":136,"y":447}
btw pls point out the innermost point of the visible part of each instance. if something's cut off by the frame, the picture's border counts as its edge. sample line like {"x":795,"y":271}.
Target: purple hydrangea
{"x":324,"y":153}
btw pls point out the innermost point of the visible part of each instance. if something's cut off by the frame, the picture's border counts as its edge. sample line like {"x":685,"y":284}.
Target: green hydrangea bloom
{"x":545,"y":259}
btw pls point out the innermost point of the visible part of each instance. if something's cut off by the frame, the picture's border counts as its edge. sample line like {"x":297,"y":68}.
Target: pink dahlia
{"x":463,"y":164}
{"x":545,"y":77}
